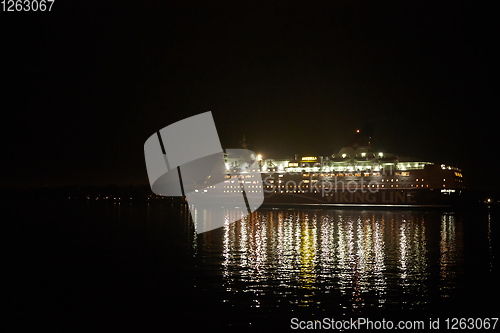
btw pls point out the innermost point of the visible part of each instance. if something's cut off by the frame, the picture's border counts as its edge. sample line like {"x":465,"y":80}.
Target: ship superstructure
{"x":356,"y":175}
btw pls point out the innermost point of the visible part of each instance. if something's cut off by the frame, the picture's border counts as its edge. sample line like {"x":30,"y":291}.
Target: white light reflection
{"x":379,"y":263}
{"x":403,"y":251}
{"x":492,"y":257}
{"x":450,"y":253}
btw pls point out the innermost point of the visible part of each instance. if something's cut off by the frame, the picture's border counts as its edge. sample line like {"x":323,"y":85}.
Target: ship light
{"x":259,"y":157}
{"x":380,"y":154}
{"x":363,"y":154}
{"x":344,"y":155}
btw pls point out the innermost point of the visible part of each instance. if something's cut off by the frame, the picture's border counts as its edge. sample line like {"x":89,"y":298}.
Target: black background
{"x":86,"y":84}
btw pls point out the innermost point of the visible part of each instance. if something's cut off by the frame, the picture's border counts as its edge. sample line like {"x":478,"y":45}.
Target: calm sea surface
{"x":124,"y":264}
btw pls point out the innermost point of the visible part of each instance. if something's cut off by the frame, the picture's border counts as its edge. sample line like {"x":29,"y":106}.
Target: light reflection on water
{"x":368,"y":258}
{"x":147,"y":260}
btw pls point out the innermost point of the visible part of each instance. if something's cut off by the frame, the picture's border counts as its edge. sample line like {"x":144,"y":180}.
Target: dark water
{"x":122,"y":264}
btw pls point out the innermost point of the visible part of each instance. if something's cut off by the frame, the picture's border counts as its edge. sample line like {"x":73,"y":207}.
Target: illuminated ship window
{"x":280,"y":176}
{"x":405,"y":174}
{"x":357,"y":174}
{"x":305,"y":175}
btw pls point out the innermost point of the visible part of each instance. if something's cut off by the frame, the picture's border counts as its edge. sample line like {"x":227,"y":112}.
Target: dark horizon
{"x":90,"y":82}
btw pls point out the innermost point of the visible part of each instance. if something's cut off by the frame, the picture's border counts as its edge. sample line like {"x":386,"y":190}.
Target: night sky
{"x":85,"y":85}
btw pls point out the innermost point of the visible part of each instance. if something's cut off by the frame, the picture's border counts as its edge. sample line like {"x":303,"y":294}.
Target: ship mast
{"x":244,"y":144}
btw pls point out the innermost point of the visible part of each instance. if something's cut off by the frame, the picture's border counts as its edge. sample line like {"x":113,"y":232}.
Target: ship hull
{"x":381,"y":198}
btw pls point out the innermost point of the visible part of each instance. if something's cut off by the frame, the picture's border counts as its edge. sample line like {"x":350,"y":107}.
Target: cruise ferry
{"x":358,"y":175}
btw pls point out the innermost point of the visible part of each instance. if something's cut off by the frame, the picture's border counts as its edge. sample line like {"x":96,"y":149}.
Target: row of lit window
{"x":353,"y":186}
{"x":304,"y":186}
{"x":239,"y":176}
{"x":241,"y":186}
{"x":240,"y":182}
{"x":239,"y":191}
{"x":238,"y":186}
{"x":357,"y":174}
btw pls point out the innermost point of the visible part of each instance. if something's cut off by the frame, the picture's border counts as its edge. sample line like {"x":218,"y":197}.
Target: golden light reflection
{"x":308,"y":245}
